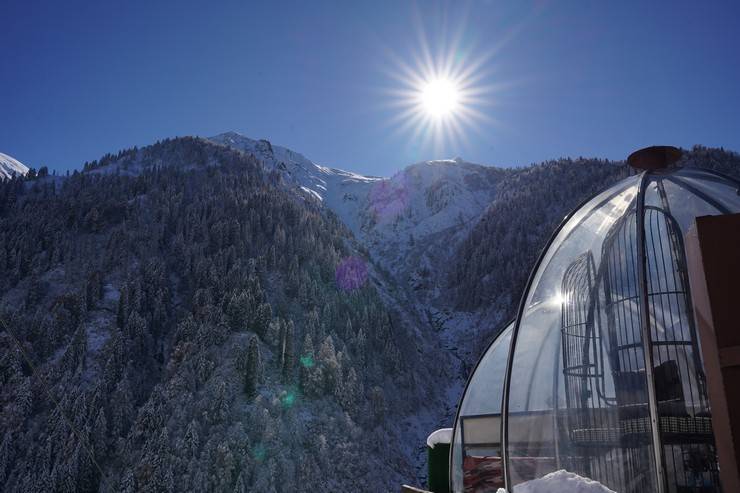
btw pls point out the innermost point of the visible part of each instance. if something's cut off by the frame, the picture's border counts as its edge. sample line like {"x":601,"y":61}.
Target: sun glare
{"x":442,"y":92}
{"x":440,"y":97}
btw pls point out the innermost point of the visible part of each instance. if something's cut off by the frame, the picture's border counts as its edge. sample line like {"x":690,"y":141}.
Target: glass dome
{"x":580,"y":394}
{"x":475,"y":455}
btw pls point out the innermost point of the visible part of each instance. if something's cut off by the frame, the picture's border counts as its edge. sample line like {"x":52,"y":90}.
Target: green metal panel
{"x":439,"y":468}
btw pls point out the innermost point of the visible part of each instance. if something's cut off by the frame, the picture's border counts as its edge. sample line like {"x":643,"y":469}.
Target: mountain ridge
{"x":10,"y":167}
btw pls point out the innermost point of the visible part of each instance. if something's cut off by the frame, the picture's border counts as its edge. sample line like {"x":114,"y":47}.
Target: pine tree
{"x":35,"y":291}
{"x":122,"y":312}
{"x":238,"y":311}
{"x":136,"y":329}
{"x":220,"y":407}
{"x":6,"y":455}
{"x":377,"y":404}
{"x":329,"y":365}
{"x":128,"y":482}
{"x":100,"y":435}
{"x":262,"y":319}
{"x":252,"y":373}
{"x":307,"y":363}
{"x":24,"y":398}
{"x":93,"y":290}
{"x":349,"y":390}
{"x":73,"y":360}
{"x":239,"y":486}
{"x":192,"y":439}
{"x":288,"y":355}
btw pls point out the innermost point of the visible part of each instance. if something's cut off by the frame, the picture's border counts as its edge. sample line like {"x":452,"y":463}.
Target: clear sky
{"x":561,"y":78}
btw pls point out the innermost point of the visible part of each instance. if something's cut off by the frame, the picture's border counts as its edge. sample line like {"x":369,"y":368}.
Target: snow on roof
{"x":443,"y":436}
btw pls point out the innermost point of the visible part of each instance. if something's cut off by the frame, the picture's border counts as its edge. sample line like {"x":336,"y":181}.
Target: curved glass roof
{"x":583,"y":394}
{"x":475,"y":455}
{"x":604,"y":380}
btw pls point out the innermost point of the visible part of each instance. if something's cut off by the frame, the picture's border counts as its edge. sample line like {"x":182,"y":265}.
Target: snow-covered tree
{"x":252,"y":368}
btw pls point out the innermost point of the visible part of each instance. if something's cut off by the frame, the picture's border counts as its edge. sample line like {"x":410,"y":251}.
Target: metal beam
{"x":647,"y":339}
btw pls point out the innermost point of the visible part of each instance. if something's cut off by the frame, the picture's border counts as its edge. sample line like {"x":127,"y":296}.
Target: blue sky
{"x":79,"y":79}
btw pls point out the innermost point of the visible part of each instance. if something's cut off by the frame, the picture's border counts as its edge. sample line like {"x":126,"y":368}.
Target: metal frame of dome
{"x":642,"y":265}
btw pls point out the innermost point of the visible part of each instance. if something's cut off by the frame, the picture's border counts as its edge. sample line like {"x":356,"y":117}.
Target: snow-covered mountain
{"x":10,"y":167}
{"x":422,"y":199}
{"x":342,"y":191}
{"x":412,"y":220}
{"x":402,"y":220}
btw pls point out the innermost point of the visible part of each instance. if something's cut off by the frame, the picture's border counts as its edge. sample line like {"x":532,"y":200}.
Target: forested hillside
{"x":180,"y":327}
{"x":227,"y":315}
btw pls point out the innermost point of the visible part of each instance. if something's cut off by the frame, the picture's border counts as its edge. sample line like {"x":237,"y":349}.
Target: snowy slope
{"x":410,"y":223}
{"x":423,"y":199}
{"x":439,"y":194}
{"x":414,"y":221}
{"x":343,"y":192}
{"x":10,"y":167}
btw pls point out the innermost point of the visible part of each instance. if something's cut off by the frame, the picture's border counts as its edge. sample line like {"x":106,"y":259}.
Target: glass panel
{"x":476,"y":445}
{"x":719,"y":188}
{"x":688,"y":197}
{"x":684,"y":415}
{"x":578,"y":393}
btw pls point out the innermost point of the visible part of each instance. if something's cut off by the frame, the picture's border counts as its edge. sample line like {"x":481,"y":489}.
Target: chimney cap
{"x":654,"y":157}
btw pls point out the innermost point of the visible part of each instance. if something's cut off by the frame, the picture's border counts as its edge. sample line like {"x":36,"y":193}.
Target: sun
{"x":441,"y":93}
{"x":439,"y":97}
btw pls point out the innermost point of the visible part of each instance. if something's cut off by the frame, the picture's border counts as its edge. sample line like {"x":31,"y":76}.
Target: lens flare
{"x":288,"y":399}
{"x":259,"y":452}
{"x":388,"y":199}
{"x":351,"y":273}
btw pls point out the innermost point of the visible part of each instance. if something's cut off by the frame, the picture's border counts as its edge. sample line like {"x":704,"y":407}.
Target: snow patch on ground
{"x":313,"y":193}
{"x":561,"y":481}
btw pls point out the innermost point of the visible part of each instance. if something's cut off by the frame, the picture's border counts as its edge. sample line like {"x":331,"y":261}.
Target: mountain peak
{"x":10,"y":167}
